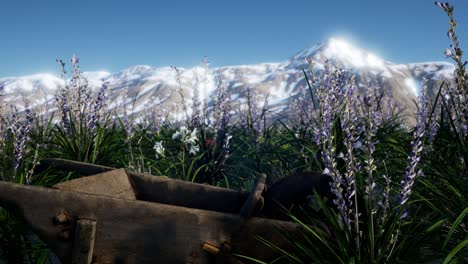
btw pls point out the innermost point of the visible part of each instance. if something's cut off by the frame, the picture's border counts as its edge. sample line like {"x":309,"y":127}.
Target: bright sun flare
{"x":345,"y":51}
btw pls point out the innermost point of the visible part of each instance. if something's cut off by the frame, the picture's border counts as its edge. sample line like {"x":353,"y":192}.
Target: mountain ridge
{"x":281,"y":81}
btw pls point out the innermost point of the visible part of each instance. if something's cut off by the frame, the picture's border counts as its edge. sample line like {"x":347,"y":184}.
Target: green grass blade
{"x":454,"y":251}
{"x":454,"y":226}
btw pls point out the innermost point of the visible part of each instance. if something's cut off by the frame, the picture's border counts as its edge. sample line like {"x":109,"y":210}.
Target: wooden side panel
{"x":175,"y":192}
{"x":114,"y":183}
{"x":83,"y":168}
{"x":132,"y":231}
{"x":255,"y":197}
{"x":158,"y":189}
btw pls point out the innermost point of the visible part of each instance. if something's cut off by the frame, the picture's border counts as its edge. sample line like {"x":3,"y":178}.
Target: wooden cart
{"x":118,"y":216}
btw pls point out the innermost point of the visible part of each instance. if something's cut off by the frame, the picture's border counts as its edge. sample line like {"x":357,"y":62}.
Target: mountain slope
{"x":139,"y":86}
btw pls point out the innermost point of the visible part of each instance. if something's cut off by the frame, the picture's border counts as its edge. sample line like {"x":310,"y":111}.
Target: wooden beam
{"x":83,"y":244}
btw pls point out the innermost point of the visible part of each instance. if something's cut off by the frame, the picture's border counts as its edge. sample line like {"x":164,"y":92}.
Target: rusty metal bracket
{"x":221,"y":253}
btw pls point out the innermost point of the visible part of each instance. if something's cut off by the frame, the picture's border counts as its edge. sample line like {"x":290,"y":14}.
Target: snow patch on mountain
{"x":144,"y":85}
{"x":351,"y":55}
{"x":412,"y":86}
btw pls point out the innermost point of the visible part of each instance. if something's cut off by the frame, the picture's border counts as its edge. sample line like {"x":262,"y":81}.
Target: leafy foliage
{"x":400,"y":191}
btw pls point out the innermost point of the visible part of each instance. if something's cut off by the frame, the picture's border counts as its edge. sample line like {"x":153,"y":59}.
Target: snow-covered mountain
{"x":280,"y":81}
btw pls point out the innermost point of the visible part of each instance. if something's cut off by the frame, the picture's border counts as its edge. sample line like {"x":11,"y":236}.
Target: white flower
{"x":159,"y":149}
{"x":180,"y":134}
{"x":191,"y":138}
{"x":194,"y":149}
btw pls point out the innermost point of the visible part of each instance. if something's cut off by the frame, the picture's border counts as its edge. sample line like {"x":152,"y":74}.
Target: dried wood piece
{"x":114,"y":183}
{"x":83,"y":245}
{"x":254,"y":198}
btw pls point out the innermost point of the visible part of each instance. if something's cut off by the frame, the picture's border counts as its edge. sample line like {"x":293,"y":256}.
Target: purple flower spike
{"x":448,"y":52}
{"x":75,"y":60}
{"x":450,"y":35}
{"x":444,"y":6}
{"x":412,"y":172}
{"x":60,"y":62}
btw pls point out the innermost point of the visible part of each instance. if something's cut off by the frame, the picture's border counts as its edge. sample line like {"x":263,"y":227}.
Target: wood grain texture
{"x":114,"y":183}
{"x":133,"y":231}
{"x":83,"y":243}
{"x":155,"y":188}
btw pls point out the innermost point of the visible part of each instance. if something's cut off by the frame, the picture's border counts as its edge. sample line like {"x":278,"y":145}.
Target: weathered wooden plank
{"x":294,"y":189}
{"x":181,"y":193}
{"x":132,"y":231}
{"x":162,"y":189}
{"x":253,"y":200}
{"x":114,"y":183}
{"x":83,"y":168}
{"x":83,"y":243}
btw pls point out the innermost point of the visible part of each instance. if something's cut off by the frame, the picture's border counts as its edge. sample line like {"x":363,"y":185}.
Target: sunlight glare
{"x":345,"y":51}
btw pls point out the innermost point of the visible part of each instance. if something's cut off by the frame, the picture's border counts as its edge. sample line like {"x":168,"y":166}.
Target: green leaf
{"x":455,"y":224}
{"x":455,"y":250}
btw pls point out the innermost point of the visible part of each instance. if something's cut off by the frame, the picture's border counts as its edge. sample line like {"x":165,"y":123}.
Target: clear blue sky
{"x":113,"y":35}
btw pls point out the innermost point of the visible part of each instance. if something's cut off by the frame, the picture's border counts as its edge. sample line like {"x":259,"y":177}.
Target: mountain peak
{"x":343,"y":51}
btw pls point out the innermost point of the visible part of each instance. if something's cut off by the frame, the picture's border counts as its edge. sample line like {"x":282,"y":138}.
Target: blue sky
{"x":113,"y":35}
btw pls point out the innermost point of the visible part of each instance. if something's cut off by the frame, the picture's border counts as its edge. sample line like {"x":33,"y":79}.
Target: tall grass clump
{"x":444,"y":188}
{"x":85,"y":132}
{"x":19,"y":153}
{"x":381,"y":213}
{"x":369,"y":202}
{"x":399,"y":191}
{"x":196,"y":148}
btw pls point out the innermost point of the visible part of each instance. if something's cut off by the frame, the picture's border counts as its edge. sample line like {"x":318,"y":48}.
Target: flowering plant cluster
{"x":399,"y":190}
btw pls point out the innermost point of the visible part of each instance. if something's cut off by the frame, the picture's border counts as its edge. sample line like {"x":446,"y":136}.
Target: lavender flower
{"x":445,"y":6}
{"x":448,"y":52}
{"x":99,"y":104}
{"x":181,"y":91}
{"x":350,"y":127}
{"x":195,"y":119}
{"x":205,"y":64}
{"x":35,"y":162}
{"x":74,"y":100}
{"x":3,"y":126}
{"x":416,"y":147}
{"x":125,"y":116}
{"x":451,"y":35}
{"x":20,"y":130}
{"x":371,"y":119}
{"x":384,"y":203}
{"x":62,"y":100}
{"x":261,"y":122}
{"x":459,"y":93}
{"x":154,"y":114}
{"x":222,"y":108}
{"x":75,"y":60}
{"x":252,"y":108}
{"x":330,"y":99}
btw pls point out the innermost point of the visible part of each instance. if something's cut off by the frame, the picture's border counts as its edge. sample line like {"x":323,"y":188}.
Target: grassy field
{"x":400,"y":191}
